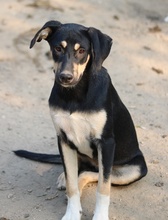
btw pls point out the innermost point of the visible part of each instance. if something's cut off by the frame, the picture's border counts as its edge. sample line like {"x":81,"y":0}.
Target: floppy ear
{"x":45,"y":32}
{"x":101,"y":45}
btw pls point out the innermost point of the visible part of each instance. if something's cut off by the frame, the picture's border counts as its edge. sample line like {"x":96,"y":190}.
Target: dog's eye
{"x":81,"y":50}
{"x":58,"y":49}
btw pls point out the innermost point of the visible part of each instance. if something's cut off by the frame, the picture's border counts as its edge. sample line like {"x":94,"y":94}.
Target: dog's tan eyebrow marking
{"x":76,"y":47}
{"x":64,"y":43}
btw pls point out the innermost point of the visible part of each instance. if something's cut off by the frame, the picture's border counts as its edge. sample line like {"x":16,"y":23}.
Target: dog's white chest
{"x":79,"y":127}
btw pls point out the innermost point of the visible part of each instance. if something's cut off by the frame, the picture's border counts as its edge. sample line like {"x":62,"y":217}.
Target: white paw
{"x":102,"y":205}
{"x":71,"y":215}
{"x":74,"y":210}
{"x":61,"y":182}
{"x":100,"y":216}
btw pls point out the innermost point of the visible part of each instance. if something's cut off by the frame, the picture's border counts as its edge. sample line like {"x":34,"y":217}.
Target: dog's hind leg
{"x":85,"y":178}
{"x":61,"y":182}
{"x":130,"y":172}
{"x":121,"y":174}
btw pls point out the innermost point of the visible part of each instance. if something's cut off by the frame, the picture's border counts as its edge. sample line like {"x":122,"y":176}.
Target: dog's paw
{"x":61,"y":182}
{"x":102,"y":205}
{"x":70,"y":215}
{"x":74,"y":209}
{"x":100,"y":216}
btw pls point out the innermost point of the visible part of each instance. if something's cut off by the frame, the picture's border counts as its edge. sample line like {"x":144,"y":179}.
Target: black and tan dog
{"x":96,"y":136}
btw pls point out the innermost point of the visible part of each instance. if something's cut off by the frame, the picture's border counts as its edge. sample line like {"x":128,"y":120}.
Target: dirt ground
{"x":138,"y":65}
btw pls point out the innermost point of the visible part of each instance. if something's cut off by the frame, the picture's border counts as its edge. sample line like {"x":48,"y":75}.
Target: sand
{"x":138,"y":66}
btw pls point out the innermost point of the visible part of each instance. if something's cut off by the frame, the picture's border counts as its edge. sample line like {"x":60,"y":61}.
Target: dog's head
{"x":74,"y":48}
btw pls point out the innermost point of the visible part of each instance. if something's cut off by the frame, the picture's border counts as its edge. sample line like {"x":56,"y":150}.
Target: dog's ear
{"x":45,"y":32}
{"x":100,"y":46}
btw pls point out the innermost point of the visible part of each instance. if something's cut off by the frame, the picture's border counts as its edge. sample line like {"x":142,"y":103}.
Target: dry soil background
{"x":138,"y":65}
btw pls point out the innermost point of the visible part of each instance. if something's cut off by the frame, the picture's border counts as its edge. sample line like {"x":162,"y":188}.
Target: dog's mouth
{"x":68,"y":81}
{"x":68,"y":85}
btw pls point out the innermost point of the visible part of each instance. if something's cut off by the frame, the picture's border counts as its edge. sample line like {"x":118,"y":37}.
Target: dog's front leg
{"x":69,"y":156}
{"x":105,"y":161}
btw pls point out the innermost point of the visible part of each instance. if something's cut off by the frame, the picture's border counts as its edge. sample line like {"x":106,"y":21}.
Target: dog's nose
{"x":65,"y":77}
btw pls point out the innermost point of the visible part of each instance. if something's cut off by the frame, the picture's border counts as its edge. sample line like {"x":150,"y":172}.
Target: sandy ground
{"x":138,"y":65}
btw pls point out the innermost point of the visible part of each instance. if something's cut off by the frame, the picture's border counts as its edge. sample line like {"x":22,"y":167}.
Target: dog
{"x":97,"y":140}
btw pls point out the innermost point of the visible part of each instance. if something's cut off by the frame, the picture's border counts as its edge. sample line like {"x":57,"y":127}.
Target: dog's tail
{"x":45,"y":158}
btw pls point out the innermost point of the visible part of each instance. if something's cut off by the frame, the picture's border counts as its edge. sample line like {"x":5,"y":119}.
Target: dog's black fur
{"x":89,"y":92}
